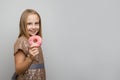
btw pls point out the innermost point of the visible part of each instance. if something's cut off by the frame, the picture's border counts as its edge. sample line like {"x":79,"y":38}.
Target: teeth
{"x":33,"y":31}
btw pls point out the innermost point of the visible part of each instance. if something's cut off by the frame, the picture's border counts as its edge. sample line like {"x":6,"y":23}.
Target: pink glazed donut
{"x":35,"y":40}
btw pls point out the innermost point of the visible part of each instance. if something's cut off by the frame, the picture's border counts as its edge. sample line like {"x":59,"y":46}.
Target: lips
{"x":33,"y":31}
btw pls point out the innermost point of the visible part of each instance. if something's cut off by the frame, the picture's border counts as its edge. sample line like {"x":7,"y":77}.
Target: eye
{"x":29,"y":23}
{"x":36,"y":23}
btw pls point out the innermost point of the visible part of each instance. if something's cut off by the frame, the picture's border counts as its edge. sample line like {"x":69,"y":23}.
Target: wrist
{"x":30,"y":56}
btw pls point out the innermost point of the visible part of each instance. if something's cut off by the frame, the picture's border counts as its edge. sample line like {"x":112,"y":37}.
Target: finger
{"x":34,"y":51}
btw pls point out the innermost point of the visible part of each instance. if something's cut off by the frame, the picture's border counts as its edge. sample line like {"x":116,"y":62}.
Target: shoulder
{"x":21,"y":44}
{"x":21,"y":39}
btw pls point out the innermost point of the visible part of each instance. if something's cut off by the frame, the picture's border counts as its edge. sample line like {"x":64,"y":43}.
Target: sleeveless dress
{"x":32,"y":73}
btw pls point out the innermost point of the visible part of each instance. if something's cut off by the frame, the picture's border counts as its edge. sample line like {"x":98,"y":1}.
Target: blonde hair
{"x":23,"y":23}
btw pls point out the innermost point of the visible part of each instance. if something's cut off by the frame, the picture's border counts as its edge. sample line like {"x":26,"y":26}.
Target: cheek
{"x":28,"y":27}
{"x":38,"y":27}
{"x":27,"y":31}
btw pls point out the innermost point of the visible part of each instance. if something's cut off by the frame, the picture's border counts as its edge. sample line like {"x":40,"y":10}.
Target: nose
{"x":33,"y":25}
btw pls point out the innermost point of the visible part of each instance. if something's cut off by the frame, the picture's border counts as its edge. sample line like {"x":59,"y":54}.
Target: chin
{"x":33,"y":34}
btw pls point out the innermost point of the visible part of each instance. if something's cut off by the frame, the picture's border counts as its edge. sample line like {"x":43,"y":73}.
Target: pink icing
{"x":35,"y":40}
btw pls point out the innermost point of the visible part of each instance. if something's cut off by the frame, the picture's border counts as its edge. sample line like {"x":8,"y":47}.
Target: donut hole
{"x":35,"y":40}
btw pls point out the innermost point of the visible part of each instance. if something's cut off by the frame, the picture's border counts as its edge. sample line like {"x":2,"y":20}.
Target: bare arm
{"x":21,"y":62}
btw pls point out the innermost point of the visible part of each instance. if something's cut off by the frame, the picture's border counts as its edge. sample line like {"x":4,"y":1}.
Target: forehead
{"x":32,"y":17}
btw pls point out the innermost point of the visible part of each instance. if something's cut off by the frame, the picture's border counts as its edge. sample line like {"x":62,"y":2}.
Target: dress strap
{"x":37,"y":66}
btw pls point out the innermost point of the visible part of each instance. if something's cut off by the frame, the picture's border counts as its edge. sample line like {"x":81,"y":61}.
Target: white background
{"x":81,"y":38}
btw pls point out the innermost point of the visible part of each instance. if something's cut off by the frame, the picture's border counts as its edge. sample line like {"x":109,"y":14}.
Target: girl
{"x":29,"y":61}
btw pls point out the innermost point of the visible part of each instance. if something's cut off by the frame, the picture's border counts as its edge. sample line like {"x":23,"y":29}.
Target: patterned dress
{"x":32,"y":73}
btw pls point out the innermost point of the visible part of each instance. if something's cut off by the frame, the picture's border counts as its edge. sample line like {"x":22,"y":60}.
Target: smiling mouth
{"x":33,"y":31}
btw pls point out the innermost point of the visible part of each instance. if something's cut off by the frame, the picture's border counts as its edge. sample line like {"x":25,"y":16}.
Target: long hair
{"x":23,"y":23}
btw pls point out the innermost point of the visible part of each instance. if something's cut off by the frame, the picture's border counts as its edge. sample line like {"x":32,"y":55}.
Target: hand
{"x":33,"y":50}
